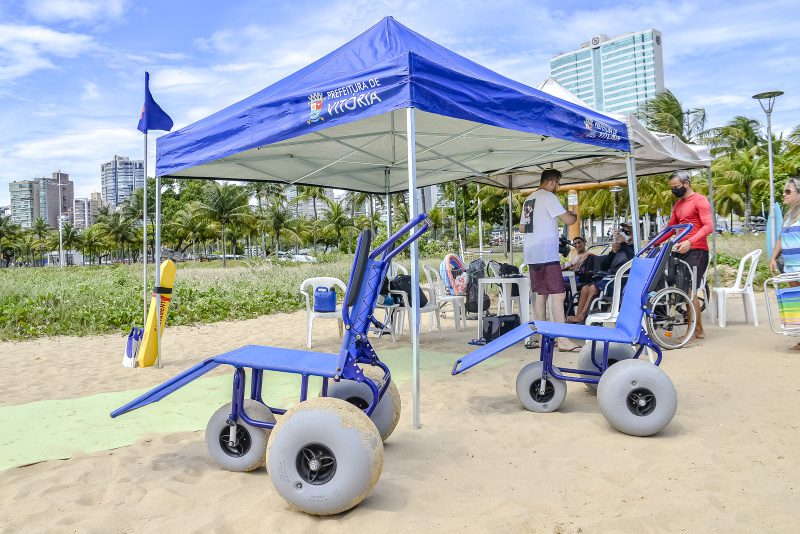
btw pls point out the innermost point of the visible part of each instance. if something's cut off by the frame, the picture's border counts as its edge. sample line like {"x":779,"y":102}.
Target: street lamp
{"x":767,"y":102}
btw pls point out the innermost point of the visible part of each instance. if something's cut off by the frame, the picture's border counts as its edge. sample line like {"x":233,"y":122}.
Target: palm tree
{"x":740,"y":133}
{"x":69,"y":236}
{"x":336,"y":220}
{"x":664,"y":113}
{"x":436,"y":218}
{"x":92,"y":240}
{"x":9,"y":233}
{"x":276,"y":218}
{"x":118,"y":229}
{"x":40,"y":230}
{"x":744,"y":171}
{"x":26,"y":244}
{"x":305,"y":192}
{"x":223,"y":204}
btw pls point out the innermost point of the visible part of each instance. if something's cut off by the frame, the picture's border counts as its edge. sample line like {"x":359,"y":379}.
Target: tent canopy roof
{"x":339,"y":122}
{"x":655,"y":153}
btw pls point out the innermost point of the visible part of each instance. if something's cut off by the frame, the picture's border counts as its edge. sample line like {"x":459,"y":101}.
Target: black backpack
{"x":475,"y":271}
{"x":496,"y":326}
{"x":507,"y":270}
{"x":402,"y":282}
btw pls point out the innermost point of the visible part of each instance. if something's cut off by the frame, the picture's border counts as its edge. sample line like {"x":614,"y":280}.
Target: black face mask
{"x":679,"y":191}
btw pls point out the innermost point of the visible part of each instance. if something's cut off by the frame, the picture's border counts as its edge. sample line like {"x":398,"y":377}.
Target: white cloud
{"x":76,"y":10}
{"x":25,"y":49}
{"x":724,"y":100}
{"x":90,"y":91}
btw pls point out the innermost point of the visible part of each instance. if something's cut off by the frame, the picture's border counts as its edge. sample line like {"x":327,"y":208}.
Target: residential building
{"x":119,"y":178}
{"x":613,"y":74}
{"x":56,"y":195}
{"x":5,"y":211}
{"x":24,"y":202}
{"x":85,"y":211}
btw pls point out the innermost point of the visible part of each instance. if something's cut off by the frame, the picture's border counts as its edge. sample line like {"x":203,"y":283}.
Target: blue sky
{"x":71,"y":71}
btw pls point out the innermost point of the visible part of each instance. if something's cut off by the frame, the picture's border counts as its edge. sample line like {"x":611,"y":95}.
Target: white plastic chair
{"x":610,"y":316}
{"x":313,"y":284}
{"x":504,"y":299}
{"x":745,"y":289}
{"x":405,"y":309}
{"x":443,"y":298}
{"x":395,"y":269}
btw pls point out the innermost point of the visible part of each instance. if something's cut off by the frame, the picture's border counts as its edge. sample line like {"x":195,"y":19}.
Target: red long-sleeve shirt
{"x":695,"y":210}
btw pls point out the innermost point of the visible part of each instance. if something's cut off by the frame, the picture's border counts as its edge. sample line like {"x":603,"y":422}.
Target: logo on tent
{"x":600,"y":129}
{"x":315,"y":103}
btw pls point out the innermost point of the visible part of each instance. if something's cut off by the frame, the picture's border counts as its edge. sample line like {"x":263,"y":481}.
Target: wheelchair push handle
{"x":662,"y":235}
{"x":389,"y":249}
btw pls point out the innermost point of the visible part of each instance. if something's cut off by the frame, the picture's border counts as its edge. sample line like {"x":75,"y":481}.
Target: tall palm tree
{"x":745,"y":171}
{"x":336,"y":220}
{"x":277,"y":217}
{"x":224,"y":203}
{"x":306,"y":192}
{"x":40,"y":230}
{"x":436,"y":218}
{"x":664,"y":113}
{"x":92,"y":240}
{"x":740,"y":133}
{"x":9,"y":233}
{"x":118,"y":229}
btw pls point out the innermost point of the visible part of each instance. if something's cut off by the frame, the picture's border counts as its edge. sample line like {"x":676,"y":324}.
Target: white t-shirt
{"x":539,"y":217}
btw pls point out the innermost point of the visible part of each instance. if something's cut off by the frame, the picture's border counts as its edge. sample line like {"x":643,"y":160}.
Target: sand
{"x":728,"y":462}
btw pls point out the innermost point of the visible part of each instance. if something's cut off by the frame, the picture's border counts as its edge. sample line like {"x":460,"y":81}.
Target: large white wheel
{"x":530,"y":393}
{"x":386,"y":414}
{"x":637,"y":397}
{"x":616,"y":353}
{"x":248,"y":451}
{"x":324,"y":456}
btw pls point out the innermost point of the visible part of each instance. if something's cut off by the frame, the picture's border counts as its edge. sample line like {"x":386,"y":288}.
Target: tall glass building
{"x":615,"y":74}
{"x":119,"y":178}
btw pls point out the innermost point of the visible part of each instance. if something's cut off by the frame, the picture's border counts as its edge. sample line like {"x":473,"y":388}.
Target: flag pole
{"x":144,"y":237}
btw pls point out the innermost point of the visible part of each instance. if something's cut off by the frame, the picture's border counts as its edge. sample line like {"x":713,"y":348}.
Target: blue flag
{"x":152,"y":117}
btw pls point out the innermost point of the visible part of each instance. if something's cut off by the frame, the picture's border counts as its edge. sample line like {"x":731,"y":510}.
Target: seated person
{"x":577,"y":255}
{"x":621,"y":253}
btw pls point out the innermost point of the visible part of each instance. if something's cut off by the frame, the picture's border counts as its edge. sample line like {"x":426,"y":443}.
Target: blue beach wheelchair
{"x":634,"y":395}
{"x":325,"y":454}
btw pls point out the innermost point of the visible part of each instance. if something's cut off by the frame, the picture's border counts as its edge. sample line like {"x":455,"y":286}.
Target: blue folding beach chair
{"x":325,"y":454}
{"x":635,"y":396}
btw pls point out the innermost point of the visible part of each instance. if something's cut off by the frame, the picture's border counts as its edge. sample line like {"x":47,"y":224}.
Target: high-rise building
{"x":614,"y":74}
{"x":119,"y":178}
{"x":85,"y":211}
{"x":52,"y":191}
{"x":24,"y":202}
{"x":5,"y":211}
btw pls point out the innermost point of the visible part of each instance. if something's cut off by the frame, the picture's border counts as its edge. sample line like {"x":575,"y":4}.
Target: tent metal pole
{"x":714,"y":232}
{"x":480,"y":223}
{"x":386,"y":172}
{"x":144,"y":237}
{"x":412,"y":213}
{"x":157,"y":261}
{"x":633,"y":196}
{"x":510,"y":221}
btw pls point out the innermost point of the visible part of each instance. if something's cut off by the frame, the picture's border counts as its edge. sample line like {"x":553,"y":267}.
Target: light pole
{"x":767,"y":102}
{"x":60,"y":226}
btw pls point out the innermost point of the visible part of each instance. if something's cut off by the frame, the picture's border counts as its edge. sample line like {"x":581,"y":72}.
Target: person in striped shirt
{"x":789,"y":243}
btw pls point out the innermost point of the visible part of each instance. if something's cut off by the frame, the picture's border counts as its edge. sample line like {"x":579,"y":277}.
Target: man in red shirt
{"x":692,"y":208}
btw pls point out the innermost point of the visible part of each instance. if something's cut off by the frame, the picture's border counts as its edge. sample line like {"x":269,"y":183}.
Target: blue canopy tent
{"x":389,"y":111}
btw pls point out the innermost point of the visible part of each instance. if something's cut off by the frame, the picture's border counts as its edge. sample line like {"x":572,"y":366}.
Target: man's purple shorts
{"x":546,"y":278}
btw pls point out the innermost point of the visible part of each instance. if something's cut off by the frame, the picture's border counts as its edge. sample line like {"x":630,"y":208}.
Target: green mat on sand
{"x":64,"y":428}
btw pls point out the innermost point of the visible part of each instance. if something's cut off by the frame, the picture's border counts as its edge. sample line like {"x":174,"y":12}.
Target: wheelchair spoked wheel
{"x":248,"y":449}
{"x":672,"y":322}
{"x":386,"y":414}
{"x":324,"y":456}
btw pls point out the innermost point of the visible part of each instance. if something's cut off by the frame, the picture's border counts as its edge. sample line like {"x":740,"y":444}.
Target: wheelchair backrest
{"x":631,"y":309}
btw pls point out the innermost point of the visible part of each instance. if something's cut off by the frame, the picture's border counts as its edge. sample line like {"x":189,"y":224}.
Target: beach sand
{"x":727,"y":462}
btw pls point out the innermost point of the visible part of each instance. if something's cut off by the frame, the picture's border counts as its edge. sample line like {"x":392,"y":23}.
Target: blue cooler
{"x":324,"y":299}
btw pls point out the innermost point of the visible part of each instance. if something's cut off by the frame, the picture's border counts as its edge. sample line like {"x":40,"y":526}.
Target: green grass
{"x":95,"y":300}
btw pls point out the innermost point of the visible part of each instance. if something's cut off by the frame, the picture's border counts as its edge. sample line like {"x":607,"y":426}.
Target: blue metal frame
{"x":355,"y":350}
{"x":599,"y":334}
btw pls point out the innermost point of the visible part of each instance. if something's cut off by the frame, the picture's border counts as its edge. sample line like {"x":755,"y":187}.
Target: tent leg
{"x":412,"y":213}
{"x":634,"y":202}
{"x":480,"y":224}
{"x":714,"y":232}
{"x":144,"y":237}
{"x":510,"y":221}
{"x":386,"y":172}
{"x":157,"y":261}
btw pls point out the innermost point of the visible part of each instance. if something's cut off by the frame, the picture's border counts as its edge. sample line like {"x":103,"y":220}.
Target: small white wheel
{"x":616,"y":353}
{"x":637,"y":397}
{"x":533,"y":396}
{"x":324,"y":456}
{"x":386,"y":414}
{"x":248,"y":451}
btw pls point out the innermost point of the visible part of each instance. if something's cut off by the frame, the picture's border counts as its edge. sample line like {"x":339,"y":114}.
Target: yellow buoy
{"x":148,"y":352}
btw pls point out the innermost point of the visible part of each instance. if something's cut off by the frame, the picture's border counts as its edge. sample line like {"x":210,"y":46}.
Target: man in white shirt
{"x":539,"y":224}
